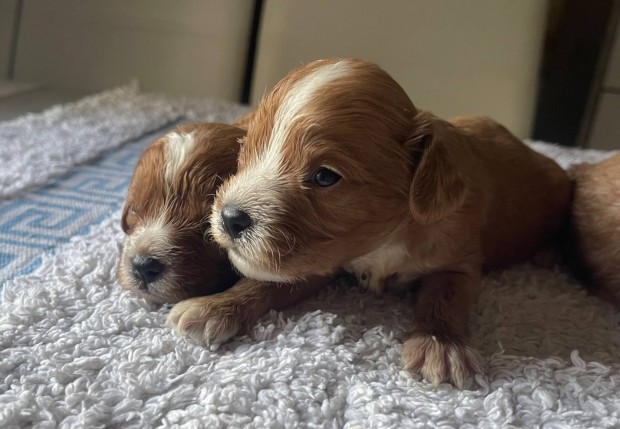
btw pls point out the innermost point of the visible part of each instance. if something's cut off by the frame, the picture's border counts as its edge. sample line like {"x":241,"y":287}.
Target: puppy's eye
{"x":325,"y":177}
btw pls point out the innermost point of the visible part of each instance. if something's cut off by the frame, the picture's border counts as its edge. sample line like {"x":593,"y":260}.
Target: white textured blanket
{"x":75,"y":351}
{"x":37,"y":147}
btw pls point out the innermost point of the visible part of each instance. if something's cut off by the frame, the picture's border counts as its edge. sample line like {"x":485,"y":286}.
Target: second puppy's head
{"x":325,"y":173}
{"x":167,"y":255}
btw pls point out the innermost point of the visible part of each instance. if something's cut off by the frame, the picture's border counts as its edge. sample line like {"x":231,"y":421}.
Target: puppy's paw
{"x":207,"y":319}
{"x":441,"y":361}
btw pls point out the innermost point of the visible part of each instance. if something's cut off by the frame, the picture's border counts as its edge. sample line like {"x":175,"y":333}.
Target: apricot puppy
{"x":595,"y":225}
{"x":167,"y":255}
{"x":339,"y":169}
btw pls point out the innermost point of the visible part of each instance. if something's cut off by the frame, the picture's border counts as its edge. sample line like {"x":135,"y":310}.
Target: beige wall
{"x":451,"y":56}
{"x":7,"y":10}
{"x":185,"y":47}
{"x":605,"y":132}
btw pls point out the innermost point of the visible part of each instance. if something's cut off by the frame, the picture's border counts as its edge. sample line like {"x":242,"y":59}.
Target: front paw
{"x":207,"y":319}
{"x":441,"y":360}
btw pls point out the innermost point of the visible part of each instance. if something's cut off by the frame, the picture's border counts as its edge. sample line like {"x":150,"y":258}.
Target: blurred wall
{"x":451,"y":56}
{"x":605,"y":132}
{"x":185,"y":47}
{"x":7,"y":11}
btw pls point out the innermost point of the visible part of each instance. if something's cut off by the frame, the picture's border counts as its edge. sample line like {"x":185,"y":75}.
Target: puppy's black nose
{"x":235,"y":221}
{"x":146,"y":269}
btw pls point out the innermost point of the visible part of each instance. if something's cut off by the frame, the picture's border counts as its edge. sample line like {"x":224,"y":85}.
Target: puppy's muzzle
{"x":146,"y":270}
{"x":235,"y":221}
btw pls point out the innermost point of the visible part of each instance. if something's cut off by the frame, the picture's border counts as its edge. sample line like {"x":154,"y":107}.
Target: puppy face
{"x":323,"y":174}
{"x":167,"y":255}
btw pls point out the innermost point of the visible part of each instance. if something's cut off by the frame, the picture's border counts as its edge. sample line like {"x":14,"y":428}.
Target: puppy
{"x":166,"y":256}
{"x":595,"y":226}
{"x":339,"y":169}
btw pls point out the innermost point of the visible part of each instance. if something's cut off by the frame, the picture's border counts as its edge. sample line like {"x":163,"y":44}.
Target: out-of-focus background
{"x":549,"y":70}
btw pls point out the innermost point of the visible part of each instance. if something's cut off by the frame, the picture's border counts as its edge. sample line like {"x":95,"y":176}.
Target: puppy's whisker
{"x":290,"y":242}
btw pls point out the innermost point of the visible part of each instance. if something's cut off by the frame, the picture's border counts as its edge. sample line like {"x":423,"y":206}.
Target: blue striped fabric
{"x":39,"y":221}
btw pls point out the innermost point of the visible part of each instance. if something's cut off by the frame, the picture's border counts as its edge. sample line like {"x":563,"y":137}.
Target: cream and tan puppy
{"x":167,"y":255}
{"x":595,"y":226}
{"x":339,"y":169}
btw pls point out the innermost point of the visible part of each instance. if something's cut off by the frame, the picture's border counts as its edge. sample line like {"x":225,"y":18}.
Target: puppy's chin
{"x":257,"y":273}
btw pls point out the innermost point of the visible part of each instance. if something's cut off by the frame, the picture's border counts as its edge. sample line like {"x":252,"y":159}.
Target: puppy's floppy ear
{"x":124,"y":224}
{"x":437,"y":188}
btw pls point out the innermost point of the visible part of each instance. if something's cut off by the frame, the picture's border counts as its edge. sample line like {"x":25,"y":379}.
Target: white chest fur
{"x":374,"y":270}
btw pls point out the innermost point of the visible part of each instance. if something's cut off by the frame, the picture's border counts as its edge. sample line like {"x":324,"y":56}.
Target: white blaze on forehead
{"x":155,"y":235}
{"x":293,"y":106}
{"x":179,"y":146}
{"x":157,"y":230}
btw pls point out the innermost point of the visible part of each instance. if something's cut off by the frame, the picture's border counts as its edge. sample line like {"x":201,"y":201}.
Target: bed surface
{"x":76,"y":351}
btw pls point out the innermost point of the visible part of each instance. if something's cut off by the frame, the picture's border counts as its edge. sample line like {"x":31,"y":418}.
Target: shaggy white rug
{"x":37,"y":147}
{"x":75,"y":351}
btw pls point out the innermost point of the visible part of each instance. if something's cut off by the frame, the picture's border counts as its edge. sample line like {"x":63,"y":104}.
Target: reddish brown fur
{"x":530,"y":192}
{"x":430,"y":200}
{"x":595,"y":226}
{"x":199,"y":265}
{"x":336,"y":119}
